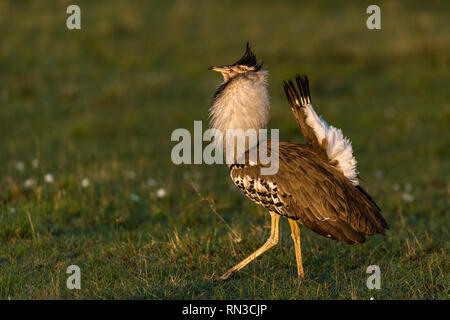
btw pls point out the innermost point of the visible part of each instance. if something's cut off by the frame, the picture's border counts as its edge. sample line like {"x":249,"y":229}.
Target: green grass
{"x":101,"y":104}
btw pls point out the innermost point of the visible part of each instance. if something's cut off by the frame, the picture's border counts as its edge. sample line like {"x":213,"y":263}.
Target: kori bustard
{"x":316,"y":183}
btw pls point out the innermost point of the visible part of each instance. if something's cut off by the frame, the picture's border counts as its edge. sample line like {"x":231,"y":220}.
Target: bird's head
{"x":247,"y":63}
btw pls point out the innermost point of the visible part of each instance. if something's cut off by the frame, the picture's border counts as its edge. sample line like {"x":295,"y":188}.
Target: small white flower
{"x":131,"y":174}
{"x":85,"y":182}
{"x":35,"y":163}
{"x":29,"y":183}
{"x":161,"y":193}
{"x":134,"y":197}
{"x":20,"y":166}
{"x":408,"y":197}
{"x":49,"y":178}
{"x":151,"y":182}
{"x":12,"y":210}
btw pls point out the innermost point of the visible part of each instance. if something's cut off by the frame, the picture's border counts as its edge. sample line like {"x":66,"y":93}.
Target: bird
{"x":317,"y":184}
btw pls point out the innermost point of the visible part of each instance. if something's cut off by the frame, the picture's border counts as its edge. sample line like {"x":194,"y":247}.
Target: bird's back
{"x":312,"y":191}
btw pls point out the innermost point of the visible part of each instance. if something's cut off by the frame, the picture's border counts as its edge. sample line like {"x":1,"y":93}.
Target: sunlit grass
{"x":86,"y":176}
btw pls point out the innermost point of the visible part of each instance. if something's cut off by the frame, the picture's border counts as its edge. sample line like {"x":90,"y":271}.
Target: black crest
{"x":248,"y":59}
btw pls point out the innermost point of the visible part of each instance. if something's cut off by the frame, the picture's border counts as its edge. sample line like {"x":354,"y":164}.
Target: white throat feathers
{"x":241,"y":102}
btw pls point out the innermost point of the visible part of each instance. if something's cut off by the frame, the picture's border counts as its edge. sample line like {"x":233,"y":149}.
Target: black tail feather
{"x":303,"y":86}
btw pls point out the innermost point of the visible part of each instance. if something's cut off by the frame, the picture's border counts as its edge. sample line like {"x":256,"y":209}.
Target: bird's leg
{"x":298,"y":249}
{"x":272,"y":241}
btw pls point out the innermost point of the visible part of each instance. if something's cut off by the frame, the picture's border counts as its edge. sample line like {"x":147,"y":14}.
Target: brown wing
{"x":308,"y":189}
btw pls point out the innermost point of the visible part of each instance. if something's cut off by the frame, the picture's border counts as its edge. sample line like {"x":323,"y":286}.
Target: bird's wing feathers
{"x":310,"y":190}
{"x":260,"y":189}
{"x":326,"y":141}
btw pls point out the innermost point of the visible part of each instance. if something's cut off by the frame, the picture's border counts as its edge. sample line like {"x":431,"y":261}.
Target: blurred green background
{"x":85,"y":124}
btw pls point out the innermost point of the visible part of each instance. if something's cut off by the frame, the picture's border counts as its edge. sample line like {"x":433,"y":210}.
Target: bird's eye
{"x":243,"y":69}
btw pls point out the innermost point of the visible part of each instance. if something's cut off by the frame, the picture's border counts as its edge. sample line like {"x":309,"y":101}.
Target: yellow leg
{"x":298,"y":249}
{"x":272,"y":241}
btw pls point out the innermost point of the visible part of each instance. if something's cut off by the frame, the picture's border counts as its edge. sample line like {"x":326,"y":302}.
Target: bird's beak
{"x":221,"y":69}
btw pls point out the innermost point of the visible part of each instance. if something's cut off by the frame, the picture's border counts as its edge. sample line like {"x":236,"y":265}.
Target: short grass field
{"x":86,"y":176}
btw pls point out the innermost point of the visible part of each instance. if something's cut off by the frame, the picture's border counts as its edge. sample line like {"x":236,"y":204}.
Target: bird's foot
{"x":227,"y":274}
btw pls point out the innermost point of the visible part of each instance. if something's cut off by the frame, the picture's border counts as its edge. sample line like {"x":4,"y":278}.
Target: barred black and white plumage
{"x":316,"y":184}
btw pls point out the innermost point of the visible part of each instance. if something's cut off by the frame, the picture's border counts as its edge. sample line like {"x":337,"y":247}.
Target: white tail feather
{"x":337,"y":146}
